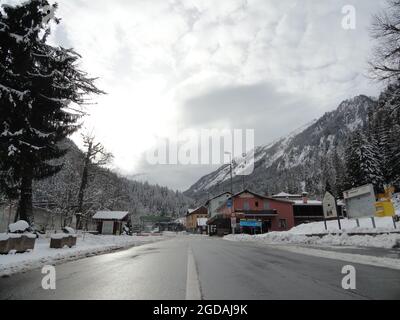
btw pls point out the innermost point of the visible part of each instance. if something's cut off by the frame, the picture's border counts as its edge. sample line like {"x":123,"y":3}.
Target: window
{"x":266,"y":205}
{"x":282,"y":224}
{"x":256,"y":204}
{"x":246,"y":205}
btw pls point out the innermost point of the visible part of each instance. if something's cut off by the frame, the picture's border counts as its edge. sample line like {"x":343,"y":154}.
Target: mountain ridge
{"x":297,"y":161}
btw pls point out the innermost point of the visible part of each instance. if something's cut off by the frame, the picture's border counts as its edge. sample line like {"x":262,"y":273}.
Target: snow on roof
{"x":309,"y":202}
{"x":261,"y":196}
{"x":284,"y":194}
{"x":217,"y":196}
{"x":110,"y":215}
{"x":190,"y":211}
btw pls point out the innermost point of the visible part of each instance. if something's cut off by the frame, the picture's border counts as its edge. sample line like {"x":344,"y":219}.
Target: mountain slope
{"x":303,"y":160}
{"x":106,"y":190}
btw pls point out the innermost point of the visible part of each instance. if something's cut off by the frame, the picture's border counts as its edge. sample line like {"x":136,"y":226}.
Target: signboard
{"x":233,"y":222}
{"x":329,"y":206}
{"x":360,"y":202}
{"x":229,"y":203}
{"x":358,"y":192}
{"x":385,"y":209}
{"x":202,"y":222}
{"x":250,"y":223}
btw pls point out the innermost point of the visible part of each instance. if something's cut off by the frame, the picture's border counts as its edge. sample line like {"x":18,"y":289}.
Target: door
{"x":108,"y":227}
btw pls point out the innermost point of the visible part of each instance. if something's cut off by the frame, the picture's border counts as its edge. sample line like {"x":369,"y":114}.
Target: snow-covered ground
{"x":348,"y":226}
{"x":298,"y":235}
{"x":89,"y":246}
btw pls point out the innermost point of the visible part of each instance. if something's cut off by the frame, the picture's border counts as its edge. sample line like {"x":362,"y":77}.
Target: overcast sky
{"x":268,"y":65}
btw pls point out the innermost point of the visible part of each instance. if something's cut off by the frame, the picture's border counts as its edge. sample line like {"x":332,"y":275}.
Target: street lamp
{"x":230,"y":164}
{"x":232,"y":209}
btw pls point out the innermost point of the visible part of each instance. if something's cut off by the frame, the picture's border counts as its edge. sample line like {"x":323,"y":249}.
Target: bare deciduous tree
{"x":95,"y":156}
{"x":385,"y":62}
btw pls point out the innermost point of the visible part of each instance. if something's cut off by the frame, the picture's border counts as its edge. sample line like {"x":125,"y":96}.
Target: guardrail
{"x":321,"y":235}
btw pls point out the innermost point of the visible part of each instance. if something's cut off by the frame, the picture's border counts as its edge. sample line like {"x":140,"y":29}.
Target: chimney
{"x":305,"y":197}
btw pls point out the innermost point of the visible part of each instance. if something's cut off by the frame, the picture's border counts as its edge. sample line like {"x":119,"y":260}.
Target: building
{"x":253,"y":213}
{"x":306,"y":210}
{"x":212,"y":206}
{"x":196,"y":220}
{"x":151,"y":223}
{"x":111,"y":222}
{"x":214,"y":203}
{"x":181,"y":221}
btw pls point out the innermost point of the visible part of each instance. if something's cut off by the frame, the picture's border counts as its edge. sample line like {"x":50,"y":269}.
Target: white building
{"x":214,"y":203}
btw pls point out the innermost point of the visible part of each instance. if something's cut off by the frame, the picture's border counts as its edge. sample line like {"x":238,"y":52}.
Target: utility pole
{"x":230,"y":164}
{"x":232,"y":209}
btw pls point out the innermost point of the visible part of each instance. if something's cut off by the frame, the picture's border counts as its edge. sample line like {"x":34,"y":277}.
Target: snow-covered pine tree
{"x":363,"y":163}
{"x":384,"y":121}
{"x":340,"y":174}
{"x":41,"y":94}
{"x":394,"y":156}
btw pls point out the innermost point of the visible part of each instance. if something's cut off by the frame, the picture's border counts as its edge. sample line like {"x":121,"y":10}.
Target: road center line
{"x":192,"y":281}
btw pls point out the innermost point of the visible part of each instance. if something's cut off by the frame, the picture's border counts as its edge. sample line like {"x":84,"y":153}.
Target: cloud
{"x":268,"y":65}
{"x":260,"y":107}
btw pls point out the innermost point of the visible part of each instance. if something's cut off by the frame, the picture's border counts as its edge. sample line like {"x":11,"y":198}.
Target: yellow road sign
{"x":384,"y":209}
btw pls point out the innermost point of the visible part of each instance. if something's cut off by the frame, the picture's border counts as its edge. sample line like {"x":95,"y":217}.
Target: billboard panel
{"x":329,"y":206}
{"x":360,"y":202}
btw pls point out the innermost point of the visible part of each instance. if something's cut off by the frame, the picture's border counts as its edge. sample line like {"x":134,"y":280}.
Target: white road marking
{"x":192,"y":281}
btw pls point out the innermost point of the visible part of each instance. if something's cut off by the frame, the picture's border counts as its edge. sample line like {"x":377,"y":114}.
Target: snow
{"x":285,"y":195}
{"x":308,"y":234}
{"x":86,"y":246}
{"x":378,"y":241}
{"x":4,"y":236}
{"x":12,"y":150}
{"x":69,"y":230}
{"x":112,"y":215}
{"x":19,"y":226}
{"x":20,"y":94}
{"x":7,"y":133}
{"x":349,"y":225}
{"x":193,"y":210}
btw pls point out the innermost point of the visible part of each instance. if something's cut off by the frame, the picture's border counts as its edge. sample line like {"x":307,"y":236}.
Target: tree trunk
{"x":25,"y":208}
{"x":81,"y":193}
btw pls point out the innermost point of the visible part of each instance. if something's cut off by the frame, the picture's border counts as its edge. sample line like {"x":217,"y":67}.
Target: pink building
{"x":254,"y":213}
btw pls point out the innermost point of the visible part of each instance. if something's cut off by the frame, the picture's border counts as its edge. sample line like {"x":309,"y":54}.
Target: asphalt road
{"x":194,"y":267}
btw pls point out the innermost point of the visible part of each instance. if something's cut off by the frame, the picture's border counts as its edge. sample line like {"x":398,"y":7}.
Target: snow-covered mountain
{"x":297,"y":162}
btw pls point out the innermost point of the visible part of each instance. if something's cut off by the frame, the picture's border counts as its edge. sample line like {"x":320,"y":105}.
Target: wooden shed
{"x":111,"y":222}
